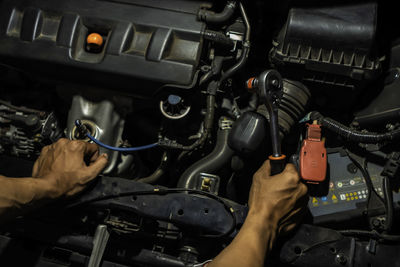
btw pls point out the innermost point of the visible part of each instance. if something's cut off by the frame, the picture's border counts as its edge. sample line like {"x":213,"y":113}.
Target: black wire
{"x":352,"y":134}
{"x":388,"y":202}
{"x":163,"y":191}
{"x":388,"y":197}
{"x":367,"y":178}
{"x":387,"y":191}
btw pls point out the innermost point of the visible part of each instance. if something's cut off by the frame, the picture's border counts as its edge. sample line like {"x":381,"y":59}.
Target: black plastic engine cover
{"x":155,"y":42}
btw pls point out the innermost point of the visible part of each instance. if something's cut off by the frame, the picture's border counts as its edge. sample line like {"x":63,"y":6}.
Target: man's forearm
{"x":19,"y":194}
{"x":250,"y":246}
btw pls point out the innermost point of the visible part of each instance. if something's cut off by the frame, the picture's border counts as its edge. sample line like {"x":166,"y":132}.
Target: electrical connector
{"x":313,"y":158}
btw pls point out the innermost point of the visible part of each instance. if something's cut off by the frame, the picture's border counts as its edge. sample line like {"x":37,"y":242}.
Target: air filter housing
{"x":329,"y":46}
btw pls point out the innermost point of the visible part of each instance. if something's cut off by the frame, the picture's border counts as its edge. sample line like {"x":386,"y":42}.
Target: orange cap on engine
{"x":94,"y":39}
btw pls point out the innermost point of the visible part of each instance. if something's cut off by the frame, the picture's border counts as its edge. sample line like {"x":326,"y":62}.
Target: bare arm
{"x":59,"y":171}
{"x":275,"y":204}
{"x":17,"y":194}
{"x":250,"y":246}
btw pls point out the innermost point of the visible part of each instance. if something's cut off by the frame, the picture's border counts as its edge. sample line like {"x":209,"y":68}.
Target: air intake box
{"x":328,"y":46}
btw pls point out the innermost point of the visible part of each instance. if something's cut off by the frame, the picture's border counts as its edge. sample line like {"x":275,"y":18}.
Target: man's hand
{"x":275,"y":205}
{"x":63,"y":169}
{"x":278,"y":199}
{"x":62,"y":165}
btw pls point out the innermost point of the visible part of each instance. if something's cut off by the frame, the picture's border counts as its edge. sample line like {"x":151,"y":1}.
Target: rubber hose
{"x":152,"y":178}
{"x":216,"y":67}
{"x":209,"y":164}
{"x":253,"y":102}
{"x":242,"y":61}
{"x":246,"y":48}
{"x":212,"y":17}
{"x":158,"y":173}
{"x":354,"y":135}
{"x":208,"y":122}
{"x":217,"y":37}
{"x":209,"y":117}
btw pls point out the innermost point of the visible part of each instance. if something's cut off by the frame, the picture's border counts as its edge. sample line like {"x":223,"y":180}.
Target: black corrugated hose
{"x":217,"y":37}
{"x":354,"y":135}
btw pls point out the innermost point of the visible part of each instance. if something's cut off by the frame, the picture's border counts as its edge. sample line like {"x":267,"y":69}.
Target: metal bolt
{"x":275,"y":82}
{"x":340,"y":258}
{"x":390,"y":127}
{"x":351,"y":168}
{"x":355,"y":124}
{"x":376,"y":223}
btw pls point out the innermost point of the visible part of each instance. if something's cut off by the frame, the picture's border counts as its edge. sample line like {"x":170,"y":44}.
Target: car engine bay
{"x":188,"y":98}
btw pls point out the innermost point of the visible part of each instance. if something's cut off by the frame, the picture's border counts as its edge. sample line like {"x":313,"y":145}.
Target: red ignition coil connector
{"x":313,"y":158}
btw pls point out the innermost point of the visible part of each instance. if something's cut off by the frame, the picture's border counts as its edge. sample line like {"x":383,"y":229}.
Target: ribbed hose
{"x":354,"y":135}
{"x":217,"y":37}
{"x":292,"y":105}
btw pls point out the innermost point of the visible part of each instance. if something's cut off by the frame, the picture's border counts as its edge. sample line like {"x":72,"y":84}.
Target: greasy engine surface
{"x":156,"y":42}
{"x":188,"y":99}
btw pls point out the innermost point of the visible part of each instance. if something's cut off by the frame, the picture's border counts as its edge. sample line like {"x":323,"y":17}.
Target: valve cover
{"x":143,"y":44}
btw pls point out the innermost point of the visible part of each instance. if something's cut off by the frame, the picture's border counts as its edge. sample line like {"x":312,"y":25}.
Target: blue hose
{"x":120,"y":149}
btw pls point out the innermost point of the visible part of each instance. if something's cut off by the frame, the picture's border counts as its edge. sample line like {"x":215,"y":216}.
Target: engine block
{"x":145,"y":43}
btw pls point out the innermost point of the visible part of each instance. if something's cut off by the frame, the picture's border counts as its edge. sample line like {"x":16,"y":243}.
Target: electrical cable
{"x":388,"y":196}
{"x":387,"y":201}
{"x":387,"y":192}
{"x":120,"y":149}
{"x":208,"y":123}
{"x":367,"y":178}
{"x":82,"y":128}
{"x":163,"y":191}
{"x":352,"y":134}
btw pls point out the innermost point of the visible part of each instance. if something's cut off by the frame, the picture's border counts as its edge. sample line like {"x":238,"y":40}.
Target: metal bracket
{"x":99,"y":245}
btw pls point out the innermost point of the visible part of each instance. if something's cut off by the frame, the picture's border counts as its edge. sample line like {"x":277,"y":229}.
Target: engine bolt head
{"x":340,"y":258}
